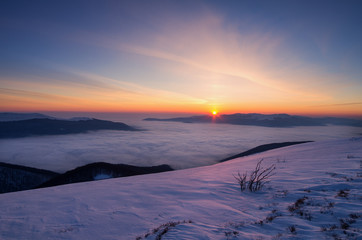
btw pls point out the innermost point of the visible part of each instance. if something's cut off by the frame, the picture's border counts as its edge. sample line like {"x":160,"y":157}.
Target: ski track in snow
{"x":316,"y":193}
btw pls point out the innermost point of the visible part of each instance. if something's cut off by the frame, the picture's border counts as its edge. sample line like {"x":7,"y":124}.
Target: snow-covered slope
{"x":316,"y":193}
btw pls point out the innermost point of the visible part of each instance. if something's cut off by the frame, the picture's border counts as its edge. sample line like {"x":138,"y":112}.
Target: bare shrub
{"x":257,"y":179}
{"x":231,"y":234}
{"x":343,"y":193}
{"x":241,"y":179}
{"x":292,"y":229}
{"x":161,"y":230}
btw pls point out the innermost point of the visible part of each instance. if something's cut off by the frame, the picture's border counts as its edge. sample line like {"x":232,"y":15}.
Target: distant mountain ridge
{"x":44,"y":126}
{"x":102,"y":170}
{"x":263,"y":148}
{"x":270,"y":120}
{"x":17,"y":178}
{"x":10,"y":116}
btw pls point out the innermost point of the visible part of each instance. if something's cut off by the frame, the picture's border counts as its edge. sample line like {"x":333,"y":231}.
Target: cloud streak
{"x":205,"y":43}
{"x":88,"y":89}
{"x":261,"y":63}
{"x":340,"y":104}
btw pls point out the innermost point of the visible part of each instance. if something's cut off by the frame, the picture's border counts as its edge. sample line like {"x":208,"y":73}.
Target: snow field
{"x":316,"y":192}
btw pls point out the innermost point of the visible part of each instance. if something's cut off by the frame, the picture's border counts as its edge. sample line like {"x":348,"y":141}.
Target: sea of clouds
{"x":180,"y":145}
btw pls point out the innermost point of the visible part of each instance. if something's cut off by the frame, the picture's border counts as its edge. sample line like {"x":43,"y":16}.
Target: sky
{"x":296,"y":57}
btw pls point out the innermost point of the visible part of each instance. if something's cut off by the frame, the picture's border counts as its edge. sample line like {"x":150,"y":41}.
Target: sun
{"x":214,"y":112}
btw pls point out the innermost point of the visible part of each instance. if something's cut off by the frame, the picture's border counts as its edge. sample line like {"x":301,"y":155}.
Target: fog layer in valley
{"x":178,"y":144}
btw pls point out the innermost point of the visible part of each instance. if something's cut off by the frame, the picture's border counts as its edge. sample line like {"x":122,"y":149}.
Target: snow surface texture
{"x":316,"y":193}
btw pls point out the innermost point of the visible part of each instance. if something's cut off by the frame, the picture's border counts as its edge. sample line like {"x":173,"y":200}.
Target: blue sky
{"x":182,"y":56}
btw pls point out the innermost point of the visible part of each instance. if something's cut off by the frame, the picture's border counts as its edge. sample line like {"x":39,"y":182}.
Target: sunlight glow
{"x":214,"y":59}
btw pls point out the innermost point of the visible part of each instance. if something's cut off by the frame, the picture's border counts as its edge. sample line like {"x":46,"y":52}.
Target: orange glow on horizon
{"x":57,"y":103}
{"x":198,"y":66}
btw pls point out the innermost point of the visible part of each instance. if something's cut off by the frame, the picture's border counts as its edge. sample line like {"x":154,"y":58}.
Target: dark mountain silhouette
{"x":16,"y":178}
{"x":102,"y":170}
{"x":262,"y":148}
{"x":272,"y":120}
{"x":38,"y":127}
{"x":9,"y":116}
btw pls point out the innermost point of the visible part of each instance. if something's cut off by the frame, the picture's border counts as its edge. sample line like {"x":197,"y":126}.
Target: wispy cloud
{"x":209,"y":44}
{"x":197,"y":62}
{"x":86,"y":91}
{"x":138,"y":89}
{"x":340,"y":104}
